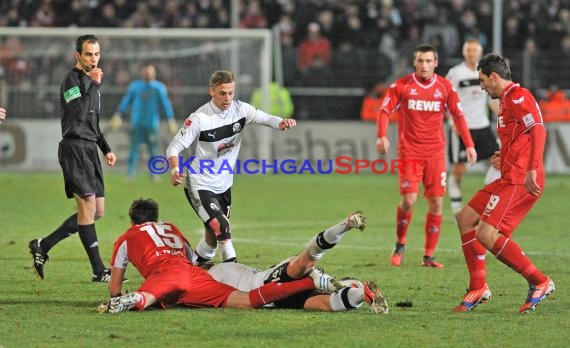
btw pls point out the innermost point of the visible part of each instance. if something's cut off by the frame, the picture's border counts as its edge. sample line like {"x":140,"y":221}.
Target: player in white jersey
{"x":476,"y":103}
{"x":246,"y":278}
{"x":215,"y":132}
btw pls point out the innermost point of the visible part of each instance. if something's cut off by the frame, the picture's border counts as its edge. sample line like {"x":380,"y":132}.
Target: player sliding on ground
{"x":162,"y":254}
{"x":246,"y":278}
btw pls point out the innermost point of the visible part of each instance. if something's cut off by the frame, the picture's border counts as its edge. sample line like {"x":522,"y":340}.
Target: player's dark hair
{"x":144,"y":210}
{"x":425,"y":48}
{"x":80,"y":40}
{"x":220,"y":77}
{"x":494,"y":63}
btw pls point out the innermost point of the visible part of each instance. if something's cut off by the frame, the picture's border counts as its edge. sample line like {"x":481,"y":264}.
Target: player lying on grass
{"x":246,"y":278}
{"x":162,"y":254}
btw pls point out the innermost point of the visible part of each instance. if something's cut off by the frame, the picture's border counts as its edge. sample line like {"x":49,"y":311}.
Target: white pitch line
{"x":301,"y":243}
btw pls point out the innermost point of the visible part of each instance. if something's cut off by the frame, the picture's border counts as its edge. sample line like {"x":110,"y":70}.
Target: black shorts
{"x":279,"y":274}
{"x":82,"y":172}
{"x":208,"y":204}
{"x":485,"y":144}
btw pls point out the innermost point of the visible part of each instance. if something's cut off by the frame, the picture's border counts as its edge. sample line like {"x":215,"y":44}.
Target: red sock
{"x":402,"y":222}
{"x":432,"y":228}
{"x":474,"y":253}
{"x":509,"y":253}
{"x":272,"y":292}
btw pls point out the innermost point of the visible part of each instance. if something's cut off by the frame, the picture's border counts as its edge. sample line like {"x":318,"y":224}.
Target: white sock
{"x":325,"y":240}
{"x":353,"y":299}
{"x":333,"y":234}
{"x":453,"y":187}
{"x":227,"y":250}
{"x":205,"y":250}
{"x":492,"y":175}
{"x":454,"y":191}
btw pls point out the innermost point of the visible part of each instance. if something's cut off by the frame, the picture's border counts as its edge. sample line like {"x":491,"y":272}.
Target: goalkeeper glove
{"x":116,"y":121}
{"x":172,"y":127}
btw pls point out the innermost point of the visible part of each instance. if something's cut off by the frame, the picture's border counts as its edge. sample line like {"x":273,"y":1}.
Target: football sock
{"x":227,"y":251}
{"x":205,"y":251}
{"x":474,"y":253}
{"x":346,"y":299}
{"x":325,"y":240}
{"x":454,"y":190}
{"x":141,"y":302}
{"x":402,"y":222}
{"x":67,"y":228}
{"x":432,"y":229}
{"x":492,"y":175}
{"x":333,"y":234}
{"x":88,"y":237}
{"x":511,"y":254}
{"x":272,"y":292}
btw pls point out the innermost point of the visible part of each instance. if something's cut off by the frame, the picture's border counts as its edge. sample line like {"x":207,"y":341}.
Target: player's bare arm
{"x":116,"y":282}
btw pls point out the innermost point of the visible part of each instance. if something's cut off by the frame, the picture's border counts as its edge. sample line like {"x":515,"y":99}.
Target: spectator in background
{"x":438,"y":26}
{"x":485,"y":20}
{"x":254,"y":16}
{"x":280,"y":102}
{"x":314,"y":48}
{"x":372,"y":103}
{"x":556,"y":107}
{"x":108,"y":18}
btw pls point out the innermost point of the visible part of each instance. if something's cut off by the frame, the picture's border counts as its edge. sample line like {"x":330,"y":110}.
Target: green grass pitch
{"x":273,"y":217}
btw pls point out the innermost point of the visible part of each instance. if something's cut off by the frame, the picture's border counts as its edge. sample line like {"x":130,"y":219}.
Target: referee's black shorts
{"x":485,"y":145}
{"x":82,"y":172}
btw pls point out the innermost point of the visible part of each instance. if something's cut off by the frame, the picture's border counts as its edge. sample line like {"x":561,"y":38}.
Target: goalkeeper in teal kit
{"x":146,"y":98}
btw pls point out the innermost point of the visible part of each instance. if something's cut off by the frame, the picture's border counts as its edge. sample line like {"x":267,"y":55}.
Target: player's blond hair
{"x":220,"y":77}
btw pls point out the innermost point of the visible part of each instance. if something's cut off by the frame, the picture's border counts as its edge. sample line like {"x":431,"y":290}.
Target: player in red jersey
{"x":422,"y":98}
{"x":163,"y":256}
{"x":493,"y":213}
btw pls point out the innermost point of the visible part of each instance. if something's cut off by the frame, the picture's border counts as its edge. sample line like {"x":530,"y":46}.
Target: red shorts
{"x":189,"y":285}
{"x":503,"y":205}
{"x":431,"y":172}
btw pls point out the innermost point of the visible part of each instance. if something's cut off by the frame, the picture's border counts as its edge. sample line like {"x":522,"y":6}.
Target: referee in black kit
{"x":78,"y":157}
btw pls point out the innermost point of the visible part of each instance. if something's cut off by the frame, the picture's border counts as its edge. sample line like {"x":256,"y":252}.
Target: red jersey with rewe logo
{"x":422,"y":107}
{"x":518,"y":113}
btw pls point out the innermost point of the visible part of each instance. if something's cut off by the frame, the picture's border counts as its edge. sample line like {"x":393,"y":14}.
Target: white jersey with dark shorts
{"x":215,"y":136}
{"x":245,"y":278}
{"x":475,"y":107}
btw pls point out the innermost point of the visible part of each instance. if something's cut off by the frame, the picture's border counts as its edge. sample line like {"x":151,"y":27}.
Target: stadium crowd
{"x":348,"y":43}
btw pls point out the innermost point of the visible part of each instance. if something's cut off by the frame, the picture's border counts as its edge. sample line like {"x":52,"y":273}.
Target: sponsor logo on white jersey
{"x":424,"y":105}
{"x":212,"y":135}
